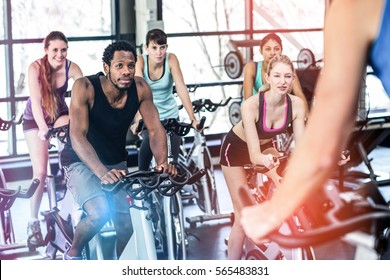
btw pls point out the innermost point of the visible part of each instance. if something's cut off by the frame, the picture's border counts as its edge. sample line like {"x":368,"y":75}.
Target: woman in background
{"x":161,"y":70}
{"x":48,"y":83}
{"x":254,"y":72}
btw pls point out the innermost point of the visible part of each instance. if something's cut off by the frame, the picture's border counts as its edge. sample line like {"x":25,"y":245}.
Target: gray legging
{"x":145,"y":153}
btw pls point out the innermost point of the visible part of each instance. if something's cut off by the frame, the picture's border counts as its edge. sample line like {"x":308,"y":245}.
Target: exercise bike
{"x":198,"y":157}
{"x":64,"y":213}
{"x":333,"y":214}
{"x":356,"y":214}
{"x":7,"y":199}
{"x":259,"y":194}
{"x":145,"y":189}
{"x":61,"y":219}
{"x":170,"y":232}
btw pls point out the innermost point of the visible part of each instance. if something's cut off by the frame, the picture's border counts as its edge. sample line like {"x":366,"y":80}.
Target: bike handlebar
{"x":199,"y":104}
{"x":200,"y":126}
{"x":6,"y":124}
{"x":258,"y":168}
{"x":58,"y":132}
{"x":175,"y":126}
{"x":8,"y":196}
{"x":139,"y":184}
{"x":262,"y":169}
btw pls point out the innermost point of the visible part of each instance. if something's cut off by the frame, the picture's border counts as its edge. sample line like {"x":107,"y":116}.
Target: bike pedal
{"x":45,"y":213}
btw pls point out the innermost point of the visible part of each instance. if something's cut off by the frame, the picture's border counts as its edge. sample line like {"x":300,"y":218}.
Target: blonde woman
{"x":264,"y":116}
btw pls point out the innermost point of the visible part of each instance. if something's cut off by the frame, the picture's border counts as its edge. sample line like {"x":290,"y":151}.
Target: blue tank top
{"x":378,"y":55}
{"x":162,"y":90}
{"x":258,"y":77}
{"x":61,"y":92}
{"x":107,"y":126}
{"x":263,"y":131}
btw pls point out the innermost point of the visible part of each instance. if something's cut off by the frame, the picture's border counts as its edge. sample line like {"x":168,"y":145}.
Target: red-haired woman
{"x":48,"y":82}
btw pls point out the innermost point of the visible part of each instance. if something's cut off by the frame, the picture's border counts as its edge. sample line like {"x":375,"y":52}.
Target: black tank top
{"x":107,"y":126}
{"x":266,"y":133}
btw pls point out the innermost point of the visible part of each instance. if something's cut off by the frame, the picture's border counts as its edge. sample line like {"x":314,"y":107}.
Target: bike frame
{"x":200,"y":156}
{"x":170,"y":204}
{"x":7,"y":236}
{"x":142,"y":243}
{"x":271,"y":250}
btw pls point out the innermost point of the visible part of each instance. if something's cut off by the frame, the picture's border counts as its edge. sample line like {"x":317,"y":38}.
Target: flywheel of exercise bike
{"x":305,"y":58}
{"x":235,"y":112}
{"x":233,"y":64}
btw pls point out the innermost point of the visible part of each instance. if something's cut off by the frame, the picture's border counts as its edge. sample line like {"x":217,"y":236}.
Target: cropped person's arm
{"x":149,"y":113}
{"x":36,"y":99}
{"x":299,"y":117}
{"x":139,"y":70}
{"x":75,"y":71}
{"x":297,"y":91}
{"x":249,"y":79}
{"x":249,"y":115}
{"x":181,"y":88}
{"x":139,"y":66}
{"x":332,"y":118}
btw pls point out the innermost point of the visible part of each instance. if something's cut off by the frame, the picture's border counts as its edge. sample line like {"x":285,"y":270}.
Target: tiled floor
{"x":206,"y":240}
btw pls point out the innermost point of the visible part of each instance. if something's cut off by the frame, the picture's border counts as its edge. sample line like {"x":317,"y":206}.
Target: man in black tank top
{"x":101,"y":110}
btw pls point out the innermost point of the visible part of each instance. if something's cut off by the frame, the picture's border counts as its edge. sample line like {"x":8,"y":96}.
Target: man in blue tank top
{"x":357,"y":33}
{"x":101,"y":110}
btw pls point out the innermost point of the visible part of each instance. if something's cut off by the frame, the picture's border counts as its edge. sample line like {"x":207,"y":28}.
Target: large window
{"x":299,"y":23}
{"x":203,"y":15}
{"x":35,"y":19}
{"x":199,"y":32}
{"x":89,"y":27}
{"x":2,"y":19}
{"x":3,"y":92}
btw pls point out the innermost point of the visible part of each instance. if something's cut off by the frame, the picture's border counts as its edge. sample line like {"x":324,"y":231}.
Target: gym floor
{"x":206,"y":241}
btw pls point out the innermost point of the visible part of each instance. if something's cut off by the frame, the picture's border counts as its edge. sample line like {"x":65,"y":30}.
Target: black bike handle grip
{"x":194,"y":178}
{"x":49,"y":133}
{"x":140,"y":126}
{"x":227,"y":101}
{"x":19,"y":121}
{"x":259,"y":167}
{"x":31,"y":190}
{"x":201,"y":124}
{"x":193,"y":89}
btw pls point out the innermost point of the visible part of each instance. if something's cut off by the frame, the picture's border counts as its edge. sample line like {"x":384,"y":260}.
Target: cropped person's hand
{"x":195,"y":123}
{"x":268,"y":160}
{"x":112,"y":176}
{"x":344,"y":158}
{"x":257,"y":222}
{"x":167,"y":168}
{"x":42,"y":134}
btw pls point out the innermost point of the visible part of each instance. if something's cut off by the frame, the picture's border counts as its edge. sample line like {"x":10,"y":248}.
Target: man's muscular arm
{"x":82,"y":98}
